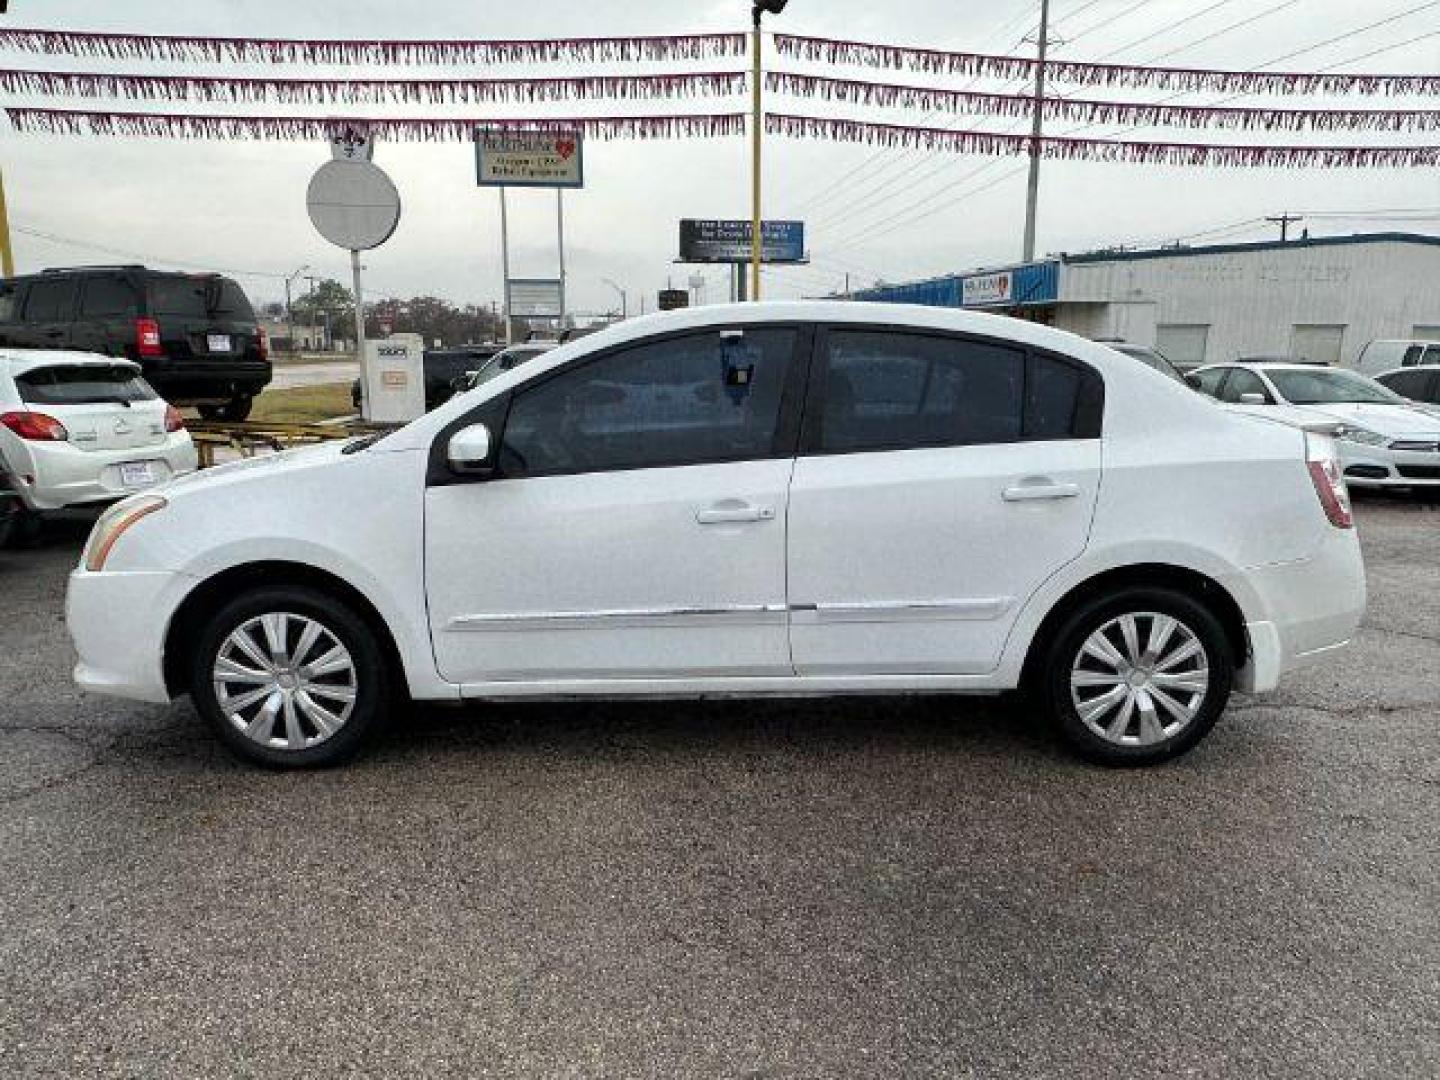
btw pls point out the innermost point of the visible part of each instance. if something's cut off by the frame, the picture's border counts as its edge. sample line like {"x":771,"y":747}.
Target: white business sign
{"x":536,"y":298}
{"x":987,"y":289}
{"x":530,"y":158}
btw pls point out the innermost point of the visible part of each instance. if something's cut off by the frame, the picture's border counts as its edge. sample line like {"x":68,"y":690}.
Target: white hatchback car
{"x":766,"y":499}
{"x":1387,"y":441}
{"x":78,"y":428}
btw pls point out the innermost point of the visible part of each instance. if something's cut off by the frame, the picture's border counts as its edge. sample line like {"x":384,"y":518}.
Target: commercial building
{"x":1320,"y":298}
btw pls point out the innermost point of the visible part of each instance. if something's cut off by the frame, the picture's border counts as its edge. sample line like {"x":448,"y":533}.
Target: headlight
{"x":112,"y":525}
{"x":1364,"y":437}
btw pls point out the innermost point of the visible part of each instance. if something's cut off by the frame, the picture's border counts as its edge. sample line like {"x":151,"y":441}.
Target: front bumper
{"x":118,"y":622}
{"x":58,"y":475}
{"x":1384,"y":467}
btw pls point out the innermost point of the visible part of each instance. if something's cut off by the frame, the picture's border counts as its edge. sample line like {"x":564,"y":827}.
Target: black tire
{"x":236,"y":409}
{"x":1054,"y":676}
{"x":373,"y":679}
{"x":20,"y":529}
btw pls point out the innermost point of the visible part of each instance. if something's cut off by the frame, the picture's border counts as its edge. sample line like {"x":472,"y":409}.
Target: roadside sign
{"x":353,"y":204}
{"x":674,"y":299}
{"x":536,"y":298}
{"x":703,"y":241}
{"x":547,"y":159}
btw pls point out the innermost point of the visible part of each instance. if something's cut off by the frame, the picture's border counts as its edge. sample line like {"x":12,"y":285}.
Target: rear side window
{"x":82,"y":385}
{"x":9,"y":296}
{"x":1210,"y":380}
{"x":107,"y":296}
{"x":50,"y":301}
{"x":1412,"y":355}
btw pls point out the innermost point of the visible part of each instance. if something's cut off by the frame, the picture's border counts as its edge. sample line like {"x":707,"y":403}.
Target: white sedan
{"x":766,"y":499}
{"x":1387,"y":442}
{"x":78,"y":428}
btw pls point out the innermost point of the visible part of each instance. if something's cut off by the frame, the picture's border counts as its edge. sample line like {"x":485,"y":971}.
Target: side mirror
{"x":1253,"y":399}
{"x":469,"y":451}
{"x":1193,"y":382}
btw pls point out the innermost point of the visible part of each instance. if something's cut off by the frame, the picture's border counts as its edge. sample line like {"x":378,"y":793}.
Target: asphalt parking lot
{"x":880,"y":887}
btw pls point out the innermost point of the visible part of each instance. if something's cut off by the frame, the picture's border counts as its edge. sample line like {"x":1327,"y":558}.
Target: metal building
{"x":1319,"y":298}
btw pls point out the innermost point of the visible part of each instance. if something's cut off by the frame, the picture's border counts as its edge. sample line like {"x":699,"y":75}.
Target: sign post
{"x":355,"y":206}
{"x":508,"y":157}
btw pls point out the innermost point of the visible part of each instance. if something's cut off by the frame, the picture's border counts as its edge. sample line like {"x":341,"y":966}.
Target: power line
{"x":105,"y":249}
{"x":1168,"y":28}
{"x":1227,"y":30}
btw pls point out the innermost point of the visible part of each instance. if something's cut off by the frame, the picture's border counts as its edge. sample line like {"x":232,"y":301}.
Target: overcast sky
{"x":239,"y":206}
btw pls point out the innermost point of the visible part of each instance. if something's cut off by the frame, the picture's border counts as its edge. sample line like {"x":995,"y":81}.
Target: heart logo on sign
{"x":565,"y":148}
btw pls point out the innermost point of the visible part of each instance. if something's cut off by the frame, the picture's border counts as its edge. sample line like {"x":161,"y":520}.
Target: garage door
{"x":1426,"y":333}
{"x":1183,"y":344}
{"x":1317,"y":343}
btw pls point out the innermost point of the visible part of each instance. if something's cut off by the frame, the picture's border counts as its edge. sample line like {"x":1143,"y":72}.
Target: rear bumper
{"x":1302,"y":610}
{"x":181,"y":380}
{"x":58,"y":475}
{"x":117,"y":622}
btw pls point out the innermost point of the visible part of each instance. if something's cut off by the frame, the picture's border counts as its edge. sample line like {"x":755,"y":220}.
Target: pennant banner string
{"x":319,"y":128}
{"x":86,"y":43}
{"x":1079,"y":149}
{"x":933,"y":61}
{"x":931,"y":99}
{"x":449,"y":91}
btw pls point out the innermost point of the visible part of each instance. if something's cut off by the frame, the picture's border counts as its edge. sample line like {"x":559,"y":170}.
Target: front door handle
{"x":734,"y":513}
{"x":1034,"y":492}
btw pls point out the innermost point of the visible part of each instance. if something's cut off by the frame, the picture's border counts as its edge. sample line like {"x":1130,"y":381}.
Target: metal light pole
{"x":1037,"y":127}
{"x":757,"y":240}
{"x":289,"y":311}
{"x":624,"y":298}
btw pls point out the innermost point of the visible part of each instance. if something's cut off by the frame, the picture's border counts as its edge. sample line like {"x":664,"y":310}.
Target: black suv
{"x":195,"y":335}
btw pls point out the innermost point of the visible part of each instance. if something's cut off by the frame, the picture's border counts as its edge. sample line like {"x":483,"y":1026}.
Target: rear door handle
{"x":726,"y":514}
{"x":1036,"y":492}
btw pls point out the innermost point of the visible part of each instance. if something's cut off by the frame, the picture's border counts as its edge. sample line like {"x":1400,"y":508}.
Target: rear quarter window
{"x":82,"y":385}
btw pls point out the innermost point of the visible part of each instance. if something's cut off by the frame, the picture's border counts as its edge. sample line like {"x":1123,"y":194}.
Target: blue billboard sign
{"x":729,"y":241}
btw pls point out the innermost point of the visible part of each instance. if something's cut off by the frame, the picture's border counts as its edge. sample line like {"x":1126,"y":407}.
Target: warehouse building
{"x":1318,"y":298}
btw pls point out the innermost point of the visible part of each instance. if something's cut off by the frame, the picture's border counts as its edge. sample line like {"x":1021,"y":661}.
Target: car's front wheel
{"x":291,"y":677}
{"x":1138,"y":677}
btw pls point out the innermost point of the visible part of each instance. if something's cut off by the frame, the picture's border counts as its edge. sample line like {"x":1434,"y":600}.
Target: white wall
{"x":1253,"y":300}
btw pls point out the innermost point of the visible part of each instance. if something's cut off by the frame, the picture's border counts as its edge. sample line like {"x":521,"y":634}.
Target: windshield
{"x":82,"y":385}
{"x":1328,"y":386}
{"x":1151,"y":358}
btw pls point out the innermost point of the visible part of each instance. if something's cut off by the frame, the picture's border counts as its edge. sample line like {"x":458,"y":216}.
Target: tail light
{"x":1329,"y":480}
{"x":173,"y":420}
{"x":262,"y":339}
{"x":37,"y":427}
{"x":147,"y":338}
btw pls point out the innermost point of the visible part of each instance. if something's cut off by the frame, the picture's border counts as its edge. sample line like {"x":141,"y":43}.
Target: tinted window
{"x":1055,"y":400}
{"x":8,"y":296}
{"x":682,"y":401}
{"x":49,"y":301}
{"x":1210,"y":380}
{"x":198,"y":297}
{"x":1432,"y":354}
{"x":82,"y":385}
{"x":107,"y":296}
{"x":1410,"y":384}
{"x":1243,"y":382}
{"x":1412,"y":355}
{"x":890,"y":391}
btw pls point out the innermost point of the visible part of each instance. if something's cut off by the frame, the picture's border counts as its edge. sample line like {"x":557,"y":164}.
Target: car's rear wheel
{"x":1138,"y":677}
{"x":291,"y":678}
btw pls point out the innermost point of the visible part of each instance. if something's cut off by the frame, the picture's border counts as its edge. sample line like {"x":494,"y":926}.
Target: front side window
{"x":1410,"y":384}
{"x":82,"y":385}
{"x":703,"y":397}
{"x":49,"y":301}
{"x":1210,"y":380}
{"x":1244,"y":382}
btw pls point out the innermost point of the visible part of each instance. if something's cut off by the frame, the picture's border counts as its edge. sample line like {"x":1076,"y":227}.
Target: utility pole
{"x":1284,"y":220}
{"x":1037,"y":128}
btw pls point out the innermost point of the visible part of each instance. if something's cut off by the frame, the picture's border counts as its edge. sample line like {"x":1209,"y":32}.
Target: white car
{"x":873,"y":499}
{"x":78,"y":428}
{"x":1388,"y":441}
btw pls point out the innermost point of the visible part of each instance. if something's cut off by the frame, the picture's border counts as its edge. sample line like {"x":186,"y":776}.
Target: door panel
{"x":917,"y":561}
{"x":611,"y":575}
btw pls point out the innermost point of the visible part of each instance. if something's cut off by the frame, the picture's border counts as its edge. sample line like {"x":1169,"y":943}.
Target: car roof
{"x":1412,"y":367}
{"x":19,"y":361}
{"x":1274,"y":365}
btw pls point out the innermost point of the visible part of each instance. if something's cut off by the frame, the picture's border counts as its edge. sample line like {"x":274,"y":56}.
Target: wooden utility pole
{"x":1284,"y":220}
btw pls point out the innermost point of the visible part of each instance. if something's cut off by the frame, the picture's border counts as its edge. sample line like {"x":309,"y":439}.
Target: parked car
{"x":1386,"y":355}
{"x":501,"y":362}
{"x":1149,"y":357}
{"x":194,"y":335}
{"x":875,"y":498}
{"x":1417,"y":384}
{"x":79,"y":429}
{"x":442,"y":368}
{"x":1387,"y":441}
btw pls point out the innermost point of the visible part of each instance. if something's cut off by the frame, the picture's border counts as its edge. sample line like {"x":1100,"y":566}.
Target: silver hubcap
{"x":285,"y":681}
{"x":1140,"y":679}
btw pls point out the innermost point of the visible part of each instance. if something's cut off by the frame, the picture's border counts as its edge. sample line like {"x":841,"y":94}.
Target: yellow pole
{"x":756,"y":239}
{"x":7,"y":257}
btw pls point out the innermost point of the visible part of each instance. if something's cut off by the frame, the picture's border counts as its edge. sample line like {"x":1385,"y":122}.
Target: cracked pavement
{"x":874,"y":887}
